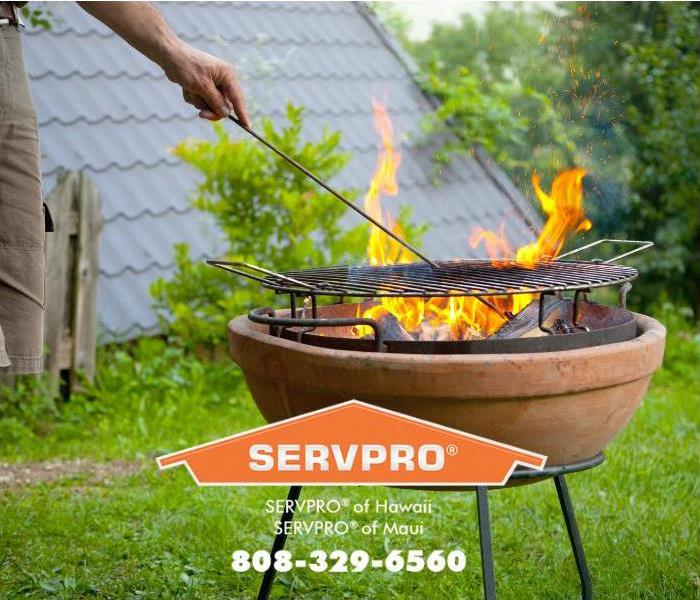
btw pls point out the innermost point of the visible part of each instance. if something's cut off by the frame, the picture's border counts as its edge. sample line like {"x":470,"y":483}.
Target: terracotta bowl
{"x":567,"y":405}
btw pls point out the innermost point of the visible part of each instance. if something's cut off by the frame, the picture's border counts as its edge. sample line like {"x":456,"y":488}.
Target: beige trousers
{"x":21,"y":217}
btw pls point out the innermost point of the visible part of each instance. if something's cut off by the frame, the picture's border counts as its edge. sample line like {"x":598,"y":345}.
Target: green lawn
{"x":157,"y":535}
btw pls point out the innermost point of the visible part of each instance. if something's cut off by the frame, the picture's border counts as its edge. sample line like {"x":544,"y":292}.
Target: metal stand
{"x":487,"y":571}
{"x":279,"y":542}
{"x":482,"y":503}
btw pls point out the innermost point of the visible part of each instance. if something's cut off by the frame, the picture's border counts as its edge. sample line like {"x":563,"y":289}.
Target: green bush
{"x":144,"y":394}
{"x":612,"y":87}
{"x":27,"y":406}
{"x":665,"y":128}
{"x":516,"y":124}
{"x":269,"y":214}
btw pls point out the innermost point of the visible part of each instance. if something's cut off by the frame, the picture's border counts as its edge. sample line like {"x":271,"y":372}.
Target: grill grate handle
{"x":640,"y":246}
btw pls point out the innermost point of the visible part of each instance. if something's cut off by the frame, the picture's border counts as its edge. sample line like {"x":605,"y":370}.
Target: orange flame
{"x":565,"y":216}
{"x":383,"y":250}
{"x":564,"y":210}
{"x":465,"y":317}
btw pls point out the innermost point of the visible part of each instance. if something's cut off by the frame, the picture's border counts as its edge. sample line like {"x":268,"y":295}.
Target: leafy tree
{"x":507,"y":84}
{"x":646,"y":57}
{"x":611,"y":87}
{"x":665,"y":126}
{"x":494,"y":117}
{"x":268,"y":213}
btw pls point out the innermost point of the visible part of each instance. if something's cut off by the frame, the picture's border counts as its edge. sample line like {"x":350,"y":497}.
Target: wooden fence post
{"x":70,"y":322}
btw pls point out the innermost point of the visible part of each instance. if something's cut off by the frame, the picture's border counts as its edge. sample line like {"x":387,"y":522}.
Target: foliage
{"x":492,"y":117}
{"x":38,"y":17}
{"x":269,"y":214}
{"x":682,"y":354}
{"x":393,"y":18}
{"x":145,"y":395}
{"x":27,"y":407}
{"x":665,"y":127}
{"x":484,"y":76}
{"x":611,"y":87}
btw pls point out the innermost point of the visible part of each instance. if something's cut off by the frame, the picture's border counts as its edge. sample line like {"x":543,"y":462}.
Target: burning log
{"x":429,"y":333}
{"x":392,"y":330}
{"x":444,"y":333}
{"x":526,"y":322}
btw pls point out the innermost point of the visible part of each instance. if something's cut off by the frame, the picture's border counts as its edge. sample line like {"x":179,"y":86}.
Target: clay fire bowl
{"x":567,"y":405}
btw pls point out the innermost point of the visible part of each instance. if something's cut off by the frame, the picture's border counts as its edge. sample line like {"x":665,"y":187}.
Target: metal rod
{"x":555,"y":470}
{"x":577,"y":293}
{"x":335,"y":193}
{"x":278,"y":544}
{"x":266,"y":316}
{"x":641,"y":245}
{"x":622,"y":294}
{"x":487,"y":571}
{"x":540,"y":314}
{"x":567,"y":510}
{"x":229,"y":266}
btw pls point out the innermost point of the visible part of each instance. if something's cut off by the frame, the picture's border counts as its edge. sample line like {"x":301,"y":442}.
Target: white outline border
{"x":364,"y":405}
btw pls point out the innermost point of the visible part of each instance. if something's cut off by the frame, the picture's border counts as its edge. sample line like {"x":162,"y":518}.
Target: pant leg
{"x":21,"y":216}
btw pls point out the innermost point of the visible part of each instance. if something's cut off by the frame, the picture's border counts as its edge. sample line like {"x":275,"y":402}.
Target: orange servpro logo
{"x":353,"y":443}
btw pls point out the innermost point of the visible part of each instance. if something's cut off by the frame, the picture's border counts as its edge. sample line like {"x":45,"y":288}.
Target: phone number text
{"x":355,"y":561}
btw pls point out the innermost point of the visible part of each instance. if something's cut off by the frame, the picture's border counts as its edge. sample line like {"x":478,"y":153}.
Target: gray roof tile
{"x":104,"y":108}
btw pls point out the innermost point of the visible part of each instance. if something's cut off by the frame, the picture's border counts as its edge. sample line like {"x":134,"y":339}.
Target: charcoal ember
{"x":391,"y":329}
{"x":526,"y":322}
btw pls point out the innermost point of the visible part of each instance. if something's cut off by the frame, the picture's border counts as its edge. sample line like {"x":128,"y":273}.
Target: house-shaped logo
{"x":353,"y":443}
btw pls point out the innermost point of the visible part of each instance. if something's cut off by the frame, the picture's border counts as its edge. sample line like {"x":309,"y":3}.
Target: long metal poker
{"x":338,"y":195}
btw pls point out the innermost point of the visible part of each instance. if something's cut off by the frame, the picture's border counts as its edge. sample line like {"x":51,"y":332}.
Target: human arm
{"x":210,"y":84}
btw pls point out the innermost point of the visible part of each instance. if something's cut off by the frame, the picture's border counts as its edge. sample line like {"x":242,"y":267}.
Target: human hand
{"x":208,"y":83}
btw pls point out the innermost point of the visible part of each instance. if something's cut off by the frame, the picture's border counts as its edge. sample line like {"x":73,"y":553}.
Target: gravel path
{"x":13,"y":475}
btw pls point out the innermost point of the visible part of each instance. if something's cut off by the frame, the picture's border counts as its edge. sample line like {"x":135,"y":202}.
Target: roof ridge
{"x":126,"y":333}
{"x":177,"y":210}
{"x":255,"y":76}
{"x":345,"y":112}
{"x":394,"y":46}
{"x":359,"y":149}
{"x":257,"y":38}
{"x":154,"y":264}
{"x":490,"y":169}
{"x":96,"y":74}
{"x":148,"y":212}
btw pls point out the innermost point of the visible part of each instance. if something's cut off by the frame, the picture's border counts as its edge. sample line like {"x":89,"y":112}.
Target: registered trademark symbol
{"x":354,"y":524}
{"x":451,"y":449}
{"x":345,"y":502}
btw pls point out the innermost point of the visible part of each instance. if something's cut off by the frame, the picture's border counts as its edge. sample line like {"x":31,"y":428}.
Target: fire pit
{"x":565,"y":395}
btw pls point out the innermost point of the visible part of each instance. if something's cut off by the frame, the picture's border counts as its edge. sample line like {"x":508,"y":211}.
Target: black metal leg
{"x":576,"y":546}
{"x":482,"y":506}
{"x":278,"y":544}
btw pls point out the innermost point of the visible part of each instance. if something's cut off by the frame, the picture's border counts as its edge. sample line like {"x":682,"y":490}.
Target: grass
{"x":156,"y":535}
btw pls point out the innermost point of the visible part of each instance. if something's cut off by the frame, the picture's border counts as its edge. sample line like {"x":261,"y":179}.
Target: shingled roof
{"x":105,"y":109}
